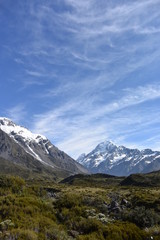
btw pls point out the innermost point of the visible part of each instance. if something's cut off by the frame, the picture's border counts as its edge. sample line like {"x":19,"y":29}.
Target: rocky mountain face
{"x":33,"y":151}
{"x":119,"y":160}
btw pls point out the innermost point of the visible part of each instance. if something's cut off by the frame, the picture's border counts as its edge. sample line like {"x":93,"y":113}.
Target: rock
{"x":52,"y":195}
{"x":101,"y":215}
{"x":91,"y":212}
{"x":114,"y":207}
{"x":73,"y":233}
{"x":114,"y":204}
{"x":125,"y":203}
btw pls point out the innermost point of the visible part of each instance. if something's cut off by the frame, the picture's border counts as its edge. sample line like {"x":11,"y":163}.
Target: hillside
{"x":146,"y":180}
{"x":94,"y":180}
{"x":33,"y":152}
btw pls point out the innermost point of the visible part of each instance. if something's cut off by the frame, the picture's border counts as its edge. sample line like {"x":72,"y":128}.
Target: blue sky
{"x":81,"y":72}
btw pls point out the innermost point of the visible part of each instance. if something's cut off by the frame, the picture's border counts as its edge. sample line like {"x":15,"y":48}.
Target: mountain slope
{"x":119,"y":160}
{"x":33,"y":151}
{"x":145,"y":180}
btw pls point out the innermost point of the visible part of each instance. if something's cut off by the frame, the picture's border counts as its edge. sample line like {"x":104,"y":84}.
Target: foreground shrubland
{"x":58,"y":211}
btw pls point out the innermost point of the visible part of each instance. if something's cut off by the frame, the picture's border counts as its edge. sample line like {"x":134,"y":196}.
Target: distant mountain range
{"x":27,"y":154}
{"x":119,"y":160}
{"x":32,"y":154}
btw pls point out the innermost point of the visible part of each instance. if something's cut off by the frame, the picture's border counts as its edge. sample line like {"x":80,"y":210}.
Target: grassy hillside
{"x":93,"y":180}
{"x":148,"y":179}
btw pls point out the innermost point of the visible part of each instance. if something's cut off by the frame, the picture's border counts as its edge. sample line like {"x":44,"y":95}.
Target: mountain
{"x":34,"y":152}
{"x":119,"y":160}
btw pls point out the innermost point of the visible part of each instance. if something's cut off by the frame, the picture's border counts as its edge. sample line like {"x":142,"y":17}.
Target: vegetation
{"x":145,"y":180}
{"x":79,"y":210}
{"x":93,"y":180}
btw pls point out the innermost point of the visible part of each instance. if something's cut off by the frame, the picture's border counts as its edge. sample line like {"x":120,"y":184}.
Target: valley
{"x":45,"y":194}
{"x":79,"y":120}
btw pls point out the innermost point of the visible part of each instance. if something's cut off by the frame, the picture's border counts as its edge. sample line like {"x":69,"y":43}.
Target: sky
{"x":82,"y":72}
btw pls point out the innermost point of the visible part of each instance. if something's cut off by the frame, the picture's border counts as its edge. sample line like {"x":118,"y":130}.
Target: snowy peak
{"x":119,"y":160}
{"x":6,"y":121}
{"x":34,"y":144}
{"x":14,"y":130}
{"x":18,"y":144}
{"x":105,"y":146}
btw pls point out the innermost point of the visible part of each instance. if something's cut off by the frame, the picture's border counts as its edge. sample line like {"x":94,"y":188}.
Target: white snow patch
{"x":147,"y":162}
{"x":12,"y":129}
{"x":50,"y":146}
{"x":37,"y":157}
{"x":34,"y":154}
{"x":99,"y":160}
{"x":128,"y":159}
{"x":46,"y":150}
{"x":117,"y":158}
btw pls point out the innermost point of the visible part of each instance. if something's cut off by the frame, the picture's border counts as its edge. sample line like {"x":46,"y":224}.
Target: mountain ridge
{"x":34,"y":151}
{"x":119,"y":160}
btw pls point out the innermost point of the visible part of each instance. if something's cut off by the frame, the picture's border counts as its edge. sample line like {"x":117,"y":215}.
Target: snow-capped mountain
{"x":119,"y":160}
{"x":23,"y":147}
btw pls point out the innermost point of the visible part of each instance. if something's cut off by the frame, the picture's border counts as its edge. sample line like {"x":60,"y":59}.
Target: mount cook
{"x":119,"y":160}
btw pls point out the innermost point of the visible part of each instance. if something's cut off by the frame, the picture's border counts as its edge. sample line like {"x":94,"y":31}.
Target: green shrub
{"x":142,"y":217}
{"x":14,"y":183}
{"x":24,"y":234}
{"x":116,"y":231}
{"x":124,"y":231}
{"x":68,"y":201}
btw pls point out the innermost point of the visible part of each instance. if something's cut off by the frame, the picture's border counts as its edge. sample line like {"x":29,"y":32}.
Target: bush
{"x":116,"y":231}
{"x":142,"y":217}
{"x":68,"y":201}
{"x":124,"y":231}
{"x":24,"y":234}
{"x":14,"y":183}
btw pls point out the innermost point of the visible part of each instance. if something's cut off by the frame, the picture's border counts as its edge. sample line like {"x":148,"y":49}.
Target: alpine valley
{"x":27,"y":154}
{"x":45,"y":194}
{"x":119,"y":160}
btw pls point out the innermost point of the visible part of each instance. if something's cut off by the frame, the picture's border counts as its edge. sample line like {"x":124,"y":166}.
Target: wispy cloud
{"x":77,"y":126}
{"x":34,"y":74}
{"x":91,"y":30}
{"x":90,"y":67}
